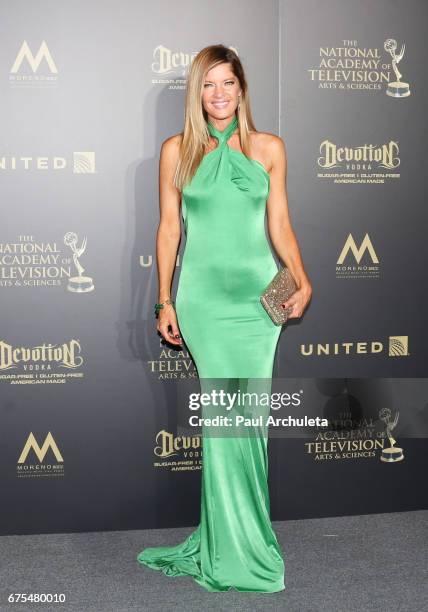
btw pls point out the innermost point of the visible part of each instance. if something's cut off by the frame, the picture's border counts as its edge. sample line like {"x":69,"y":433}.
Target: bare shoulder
{"x":170,"y":149}
{"x":268,"y":147}
{"x":168,"y":159}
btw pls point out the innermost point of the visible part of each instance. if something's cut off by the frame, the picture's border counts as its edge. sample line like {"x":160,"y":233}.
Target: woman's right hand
{"x":167,"y":317}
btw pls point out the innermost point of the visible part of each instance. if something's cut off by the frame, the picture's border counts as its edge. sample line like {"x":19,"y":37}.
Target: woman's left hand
{"x":299,"y":300}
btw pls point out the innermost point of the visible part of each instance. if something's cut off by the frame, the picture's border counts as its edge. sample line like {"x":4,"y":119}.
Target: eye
{"x":230,"y":82}
{"x":207,"y":84}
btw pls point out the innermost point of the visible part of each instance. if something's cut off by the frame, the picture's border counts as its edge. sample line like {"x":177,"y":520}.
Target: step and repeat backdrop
{"x":91,"y":434}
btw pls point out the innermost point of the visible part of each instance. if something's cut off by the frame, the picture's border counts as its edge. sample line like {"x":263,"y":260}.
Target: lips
{"x":220,"y":104}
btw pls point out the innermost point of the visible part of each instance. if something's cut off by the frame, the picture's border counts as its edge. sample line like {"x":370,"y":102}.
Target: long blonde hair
{"x":195,"y":135}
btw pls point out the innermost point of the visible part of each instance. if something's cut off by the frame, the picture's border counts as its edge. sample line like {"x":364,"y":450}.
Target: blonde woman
{"x":226,"y":176}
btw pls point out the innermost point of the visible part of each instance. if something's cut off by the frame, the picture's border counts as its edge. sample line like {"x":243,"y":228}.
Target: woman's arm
{"x":168,"y":236}
{"x":280,"y":230}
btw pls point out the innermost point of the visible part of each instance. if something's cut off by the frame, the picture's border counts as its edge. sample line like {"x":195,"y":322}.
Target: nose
{"x":218,"y":91}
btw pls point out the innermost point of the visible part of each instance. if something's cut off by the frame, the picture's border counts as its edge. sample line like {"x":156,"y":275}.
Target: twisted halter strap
{"x":223,"y":136}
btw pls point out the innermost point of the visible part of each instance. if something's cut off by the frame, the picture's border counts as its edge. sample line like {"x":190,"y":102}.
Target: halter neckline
{"x":223,"y":135}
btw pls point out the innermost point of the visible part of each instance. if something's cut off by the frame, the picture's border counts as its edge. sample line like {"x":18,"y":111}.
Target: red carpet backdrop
{"x":91,"y":398}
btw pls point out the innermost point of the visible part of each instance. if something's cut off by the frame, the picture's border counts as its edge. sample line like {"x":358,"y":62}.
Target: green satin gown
{"x":227,"y":263}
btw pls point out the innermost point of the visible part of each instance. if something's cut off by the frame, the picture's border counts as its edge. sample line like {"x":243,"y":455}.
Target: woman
{"x":226,"y":175}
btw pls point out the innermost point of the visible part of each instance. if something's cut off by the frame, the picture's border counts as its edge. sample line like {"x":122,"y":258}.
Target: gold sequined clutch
{"x":280,"y":288}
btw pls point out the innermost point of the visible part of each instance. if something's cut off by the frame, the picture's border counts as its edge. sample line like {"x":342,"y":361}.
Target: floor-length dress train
{"x":226,"y":265}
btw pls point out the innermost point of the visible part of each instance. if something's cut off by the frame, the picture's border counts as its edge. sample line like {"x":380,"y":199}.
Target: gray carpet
{"x":359,"y":563}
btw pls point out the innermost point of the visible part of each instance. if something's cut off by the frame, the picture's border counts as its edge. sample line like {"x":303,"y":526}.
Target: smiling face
{"x":221,"y":90}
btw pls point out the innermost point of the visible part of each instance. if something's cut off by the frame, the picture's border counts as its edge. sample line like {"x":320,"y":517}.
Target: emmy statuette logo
{"x":79,"y":283}
{"x":398,"y":88}
{"x":393,"y":453}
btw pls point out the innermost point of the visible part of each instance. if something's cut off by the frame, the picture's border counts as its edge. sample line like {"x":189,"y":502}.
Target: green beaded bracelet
{"x":159,"y":306}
